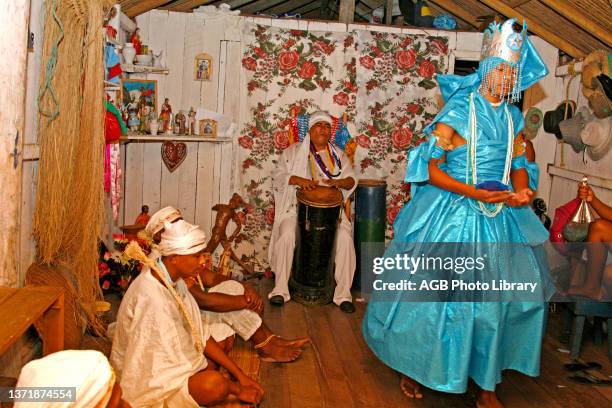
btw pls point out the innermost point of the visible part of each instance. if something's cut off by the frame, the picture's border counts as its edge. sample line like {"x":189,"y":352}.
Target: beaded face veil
{"x":503,"y":44}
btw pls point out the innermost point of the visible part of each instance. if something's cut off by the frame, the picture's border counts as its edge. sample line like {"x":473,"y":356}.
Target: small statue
{"x":165,"y":115}
{"x":133,"y":119}
{"x":144,"y":114}
{"x":225,"y":213}
{"x":191,"y":121}
{"x":144,"y":217}
{"x":180,"y":119}
{"x":136,"y":42}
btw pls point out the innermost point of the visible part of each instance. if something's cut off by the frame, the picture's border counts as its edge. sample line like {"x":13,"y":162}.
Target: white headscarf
{"x":181,"y":238}
{"x":156,"y":223}
{"x":86,"y":370}
{"x":320,"y":116}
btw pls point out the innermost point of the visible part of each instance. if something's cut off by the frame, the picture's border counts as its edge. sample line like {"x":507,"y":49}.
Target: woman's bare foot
{"x":278,"y":352}
{"x":410,"y":388}
{"x":488,"y":399}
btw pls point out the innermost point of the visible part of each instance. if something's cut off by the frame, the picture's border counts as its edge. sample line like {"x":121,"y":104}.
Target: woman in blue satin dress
{"x":476,"y":137}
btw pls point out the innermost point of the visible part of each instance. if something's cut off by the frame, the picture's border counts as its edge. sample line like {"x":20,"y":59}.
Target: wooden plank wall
{"x":203,"y":178}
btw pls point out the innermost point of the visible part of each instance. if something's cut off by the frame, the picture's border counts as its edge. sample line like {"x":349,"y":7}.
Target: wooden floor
{"x":340,"y":371}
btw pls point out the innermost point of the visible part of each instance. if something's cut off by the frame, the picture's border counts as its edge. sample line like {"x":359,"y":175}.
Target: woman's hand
{"x":520,"y":198}
{"x":253,"y":300}
{"x":585,"y":192}
{"x":490,"y":197}
{"x":303,"y":183}
{"x":345,"y":183}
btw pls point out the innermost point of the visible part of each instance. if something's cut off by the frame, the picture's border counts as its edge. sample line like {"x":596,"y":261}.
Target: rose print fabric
{"x":384,"y":82}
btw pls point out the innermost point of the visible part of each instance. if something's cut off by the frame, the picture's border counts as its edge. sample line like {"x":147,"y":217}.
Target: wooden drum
{"x":312,"y":276}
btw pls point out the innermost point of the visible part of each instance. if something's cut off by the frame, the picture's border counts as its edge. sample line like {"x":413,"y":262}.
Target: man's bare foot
{"x":488,"y":399}
{"x":293,"y":343}
{"x":410,"y":388}
{"x":276,"y":352}
{"x":591,"y":293}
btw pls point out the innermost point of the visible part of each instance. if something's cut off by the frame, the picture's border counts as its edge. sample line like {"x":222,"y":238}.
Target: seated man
{"x":231,"y":307}
{"x":86,"y":370}
{"x":160,"y":345}
{"x":599,"y":242}
{"x":306,"y":165}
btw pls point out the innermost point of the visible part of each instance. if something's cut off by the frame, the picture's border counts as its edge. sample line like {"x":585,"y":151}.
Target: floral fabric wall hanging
{"x":384,"y":82}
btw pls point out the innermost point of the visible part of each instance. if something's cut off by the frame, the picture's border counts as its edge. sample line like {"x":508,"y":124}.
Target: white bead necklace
{"x":471,"y":157}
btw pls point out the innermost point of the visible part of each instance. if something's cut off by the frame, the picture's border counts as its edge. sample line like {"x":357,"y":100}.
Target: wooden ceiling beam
{"x":288,"y":6}
{"x":536,"y":27}
{"x":141,"y":7}
{"x":306,"y":9}
{"x":453,"y":8}
{"x":575,"y":16}
{"x":186,"y":5}
{"x":346,"y":11}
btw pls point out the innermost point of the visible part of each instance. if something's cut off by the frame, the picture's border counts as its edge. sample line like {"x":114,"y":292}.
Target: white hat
{"x":156,"y":223}
{"x":86,"y":370}
{"x":597,"y":136}
{"x":571,"y":129}
{"x":181,"y":238}
{"x":320,"y":116}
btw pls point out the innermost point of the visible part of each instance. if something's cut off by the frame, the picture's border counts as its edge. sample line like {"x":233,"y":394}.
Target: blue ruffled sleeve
{"x":417,"y":170}
{"x":533,"y":171}
{"x":521,"y":162}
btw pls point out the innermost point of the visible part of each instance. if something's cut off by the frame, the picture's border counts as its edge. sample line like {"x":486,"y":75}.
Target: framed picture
{"x":203,"y":69}
{"x":208,"y":128}
{"x":139,"y":93}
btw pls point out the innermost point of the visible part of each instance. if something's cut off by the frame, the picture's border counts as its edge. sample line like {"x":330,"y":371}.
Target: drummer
{"x":308,"y":164}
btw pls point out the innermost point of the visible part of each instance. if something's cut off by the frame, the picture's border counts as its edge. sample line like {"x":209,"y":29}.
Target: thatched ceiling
{"x":577,"y":27}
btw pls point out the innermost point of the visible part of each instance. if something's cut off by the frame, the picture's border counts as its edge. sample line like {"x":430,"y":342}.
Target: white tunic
{"x":153,"y":350}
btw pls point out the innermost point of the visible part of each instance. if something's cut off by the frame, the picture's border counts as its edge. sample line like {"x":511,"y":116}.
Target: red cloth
{"x":112,"y":129}
{"x":114,"y":71}
{"x":563,"y":215}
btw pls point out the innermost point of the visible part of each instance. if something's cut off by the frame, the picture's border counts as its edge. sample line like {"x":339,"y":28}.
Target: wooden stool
{"x":577,"y":314}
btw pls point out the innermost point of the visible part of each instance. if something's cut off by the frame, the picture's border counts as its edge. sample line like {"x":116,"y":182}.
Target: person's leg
{"x":488,"y":399}
{"x":345,"y":263}
{"x":209,"y":387}
{"x":410,"y":388}
{"x":283,"y":257}
{"x":249,"y":326}
{"x":600,"y":233}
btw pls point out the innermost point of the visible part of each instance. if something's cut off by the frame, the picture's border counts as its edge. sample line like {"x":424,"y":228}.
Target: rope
{"x":50,"y":72}
{"x":571,"y":70}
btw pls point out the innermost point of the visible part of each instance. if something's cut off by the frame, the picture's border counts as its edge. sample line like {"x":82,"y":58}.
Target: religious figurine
{"x":135,"y":40}
{"x":144,"y":114}
{"x":225,"y":213}
{"x":133,"y":119}
{"x":165,"y":115}
{"x":191,"y":121}
{"x":180,"y":119}
{"x":144,"y":216}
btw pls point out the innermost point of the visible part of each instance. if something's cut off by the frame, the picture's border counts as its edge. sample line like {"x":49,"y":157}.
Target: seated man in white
{"x":299,"y":168}
{"x":160,"y":345}
{"x":230,"y":307}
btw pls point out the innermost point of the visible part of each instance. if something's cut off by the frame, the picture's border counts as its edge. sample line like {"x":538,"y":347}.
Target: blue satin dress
{"x":442,"y":344}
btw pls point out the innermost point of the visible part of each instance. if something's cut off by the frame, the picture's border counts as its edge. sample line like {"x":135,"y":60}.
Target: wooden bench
{"x":21,"y":308}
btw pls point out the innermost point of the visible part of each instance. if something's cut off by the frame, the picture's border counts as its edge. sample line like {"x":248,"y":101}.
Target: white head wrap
{"x":156,"y":223}
{"x":181,"y":238}
{"x":320,"y":116}
{"x":87,"y":370}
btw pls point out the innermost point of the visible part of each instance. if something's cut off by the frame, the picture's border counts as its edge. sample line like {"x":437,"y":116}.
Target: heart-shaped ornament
{"x":173,"y":154}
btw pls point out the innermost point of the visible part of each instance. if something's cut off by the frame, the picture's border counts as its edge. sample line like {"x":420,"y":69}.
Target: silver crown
{"x":503,"y":42}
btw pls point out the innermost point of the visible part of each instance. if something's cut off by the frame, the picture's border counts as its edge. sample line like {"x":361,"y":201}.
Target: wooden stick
{"x":576,"y":17}
{"x":537,"y":28}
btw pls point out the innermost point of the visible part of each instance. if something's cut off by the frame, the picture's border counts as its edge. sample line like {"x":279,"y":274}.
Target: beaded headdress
{"x":503,"y":44}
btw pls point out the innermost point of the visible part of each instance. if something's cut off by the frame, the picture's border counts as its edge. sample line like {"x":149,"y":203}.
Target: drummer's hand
{"x":333,"y":183}
{"x":306,"y":184}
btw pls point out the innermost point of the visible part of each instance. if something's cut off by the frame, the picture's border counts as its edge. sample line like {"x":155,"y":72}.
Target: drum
{"x":370,"y":223}
{"x":312,"y":276}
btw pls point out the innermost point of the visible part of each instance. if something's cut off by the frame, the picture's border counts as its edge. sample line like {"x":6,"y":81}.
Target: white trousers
{"x":282,"y":259}
{"x":225,"y":324}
